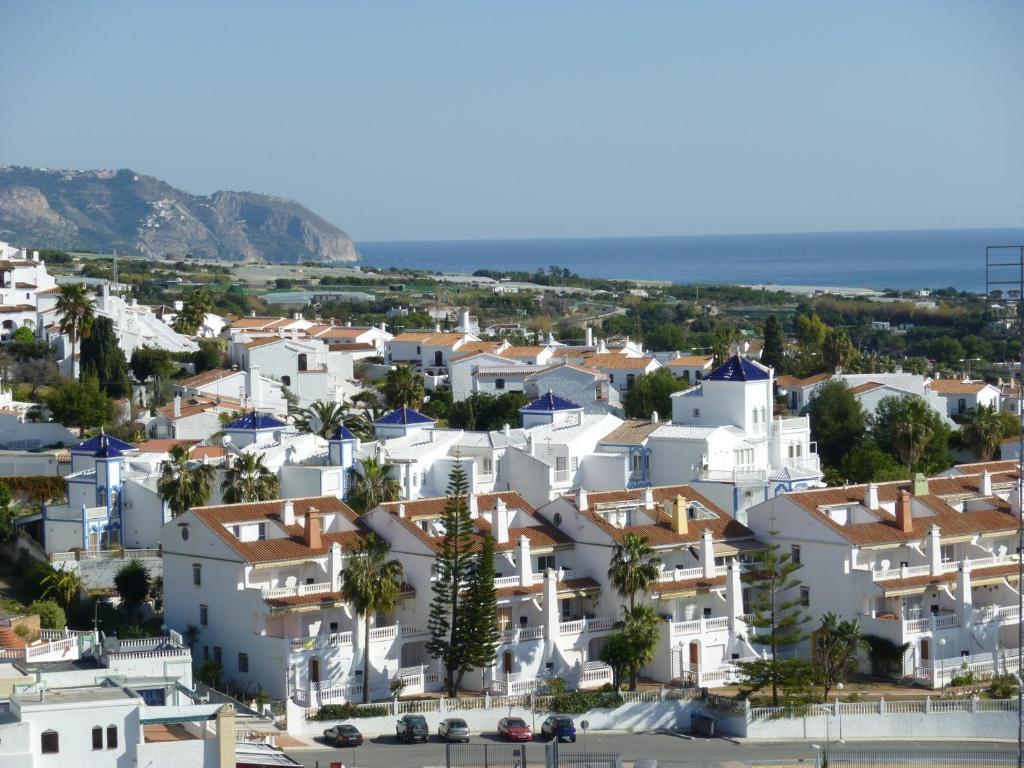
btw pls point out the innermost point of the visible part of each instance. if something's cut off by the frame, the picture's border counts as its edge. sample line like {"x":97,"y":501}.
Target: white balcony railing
{"x":700,"y":626}
{"x":949,"y":566}
{"x":319,"y":642}
{"x":297,"y":590}
{"x":682,"y":574}
{"x":581,"y":626}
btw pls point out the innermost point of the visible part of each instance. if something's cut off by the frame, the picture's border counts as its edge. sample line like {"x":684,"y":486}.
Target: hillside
{"x":107,"y":210}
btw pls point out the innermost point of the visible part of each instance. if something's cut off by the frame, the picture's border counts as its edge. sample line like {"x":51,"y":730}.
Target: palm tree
{"x":321,"y":418}
{"x":371,"y":583}
{"x":982,"y":430}
{"x":403,"y":387}
{"x":374,"y":485}
{"x":193,"y":312}
{"x":360,"y":422}
{"x":634,"y":566}
{"x":912,"y":431}
{"x":249,"y":480}
{"x":183,"y":486}
{"x":641,"y":628}
{"x":64,"y":585}
{"x":77,"y":312}
{"x":835,"y":650}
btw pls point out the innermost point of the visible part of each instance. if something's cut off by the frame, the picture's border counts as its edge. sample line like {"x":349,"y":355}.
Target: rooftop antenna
{"x":1004,"y":266}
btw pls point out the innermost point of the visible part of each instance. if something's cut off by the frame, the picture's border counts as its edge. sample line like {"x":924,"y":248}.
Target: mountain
{"x":107,"y":210}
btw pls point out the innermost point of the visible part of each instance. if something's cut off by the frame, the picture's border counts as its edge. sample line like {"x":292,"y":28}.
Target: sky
{"x":480,"y":120}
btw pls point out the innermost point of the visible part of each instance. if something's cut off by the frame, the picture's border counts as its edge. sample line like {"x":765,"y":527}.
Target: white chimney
{"x":506,"y":430}
{"x":35,"y":255}
{"x":401,"y":510}
{"x":474,"y":510}
{"x":288,"y":513}
{"x":707,"y":554}
{"x":654,"y":417}
{"x":872,"y":496}
{"x":252,"y":313}
{"x":177,"y":406}
{"x":589,"y":336}
{"x":525,"y":563}
{"x":464,"y":320}
{"x":986,"y":483}
{"x":648,"y":498}
{"x":499,"y":521}
{"x":178,"y":305}
{"x":252,"y":385}
{"x":384,"y":326}
{"x":437,"y":327}
{"x":581,"y":499}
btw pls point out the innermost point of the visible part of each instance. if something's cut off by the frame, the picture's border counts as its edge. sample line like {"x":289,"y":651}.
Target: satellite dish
{"x":1002,"y":550}
{"x":885,"y":565}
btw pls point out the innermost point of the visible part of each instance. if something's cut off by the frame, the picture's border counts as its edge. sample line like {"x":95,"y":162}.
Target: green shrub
{"x":1002,"y":687}
{"x":210,"y":672}
{"x":51,"y":615}
{"x":23,"y":631}
{"x":349,"y":711}
{"x":962,"y":678}
{"x":576,"y":702}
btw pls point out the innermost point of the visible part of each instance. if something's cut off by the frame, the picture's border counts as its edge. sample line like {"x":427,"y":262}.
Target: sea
{"x":903,"y":259}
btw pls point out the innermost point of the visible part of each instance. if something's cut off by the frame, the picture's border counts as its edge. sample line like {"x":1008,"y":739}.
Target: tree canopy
{"x":653,"y":392}
{"x":838,"y":421}
{"x":102,"y":357}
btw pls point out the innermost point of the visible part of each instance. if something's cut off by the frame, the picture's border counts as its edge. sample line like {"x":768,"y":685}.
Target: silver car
{"x":453,"y":729}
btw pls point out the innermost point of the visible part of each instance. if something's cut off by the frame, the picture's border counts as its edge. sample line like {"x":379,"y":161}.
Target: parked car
{"x":559,"y":727}
{"x":514,"y":729}
{"x":453,"y":729}
{"x":411,"y":728}
{"x":343,"y":736}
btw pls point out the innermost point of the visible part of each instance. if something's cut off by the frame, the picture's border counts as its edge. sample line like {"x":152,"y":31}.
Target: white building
{"x":25,"y":288}
{"x":962,"y":396}
{"x":691,"y":368}
{"x":250,"y":387}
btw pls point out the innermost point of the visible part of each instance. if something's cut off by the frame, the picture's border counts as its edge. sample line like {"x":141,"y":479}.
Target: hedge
{"x":577,"y":702}
{"x":350,"y":711}
{"x":37,"y":486}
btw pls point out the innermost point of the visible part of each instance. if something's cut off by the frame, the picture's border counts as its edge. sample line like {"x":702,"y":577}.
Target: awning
{"x":727,"y":548}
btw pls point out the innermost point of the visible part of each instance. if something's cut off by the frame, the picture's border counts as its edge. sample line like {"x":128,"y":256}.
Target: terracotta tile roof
{"x":543,"y":535}
{"x":954,"y":387}
{"x":1010,"y":441}
{"x":432,"y":338}
{"x":25,"y":286}
{"x":291,"y":547}
{"x":207,"y":377}
{"x":9,"y":639}
{"x":883,"y":530}
{"x":793,"y":381}
{"x":161,"y":446}
{"x":196,"y":404}
{"x":335,"y":332}
{"x":9,"y":309}
{"x":585,"y":584}
{"x":479,"y":346}
{"x":977,"y":574}
{"x":867,"y":386}
{"x":355,"y":347}
{"x":615,"y":360}
{"x":632,"y":432}
{"x":690,"y":361}
{"x":1007,"y":467}
{"x":55,"y":291}
{"x":267,"y":341}
{"x":524,"y":351}
{"x":12,"y":263}
{"x":589,"y":371}
{"x":660,"y":533}
{"x":257,"y":322}
{"x":200,"y":452}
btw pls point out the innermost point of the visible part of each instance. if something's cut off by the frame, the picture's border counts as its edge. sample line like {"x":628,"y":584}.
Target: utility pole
{"x":1004,"y":266}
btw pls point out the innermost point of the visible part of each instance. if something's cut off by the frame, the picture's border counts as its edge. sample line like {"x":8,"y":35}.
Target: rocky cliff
{"x":107,"y":210}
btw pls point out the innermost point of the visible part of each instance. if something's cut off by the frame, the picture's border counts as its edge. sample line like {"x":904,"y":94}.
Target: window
{"x":630,"y":380}
{"x":559,"y":463}
{"x":218,"y":654}
{"x":499,"y":383}
{"x":206,"y":653}
{"x":204,"y":612}
{"x":303,"y":361}
{"x":243,"y":662}
{"x":696,"y":413}
{"x":49,"y":742}
{"x":794,"y":554}
{"x":961,"y":405}
{"x":686,"y":376}
{"x":334,"y":626}
{"x":488,"y":466}
{"x":97,"y":738}
{"x":805,"y":596}
{"x":575,"y":463}
{"x":111,"y":737}
{"x":611,"y":378}
{"x":261,"y":532}
{"x":197,"y":574}
{"x":544,"y":562}
{"x":309,"y":579}
{"x":948,"y":554}
{"x":286,"y":380}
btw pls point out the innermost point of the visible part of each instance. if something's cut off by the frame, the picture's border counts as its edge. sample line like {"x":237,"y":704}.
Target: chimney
{"x":474,"y":509}
{"x":334,"y":566}
{"x":871,"y":496}
{"x":177,"y":406}
{"x":986,"y":483}
{"x":35,"y":255}
{"x":581,"y":499}
{"x":904,"y":519}
{"x":401,"y":510}
{"x":648,"y":498}
{"x":707,"y":554}
{"x":311,"y":533}
{"x":252,"y":313}
{"x":680,"y":516}
{"x":934,"y":550}
{"x":437,"y":327}
{"x":525,"y":564}
{"x":499,"y":521}
{"x":506,"y":430}
{"x":588,"y":336}
{"x":288,"y":513}
{"x":654,"y":417}
{"x":920,"y":484}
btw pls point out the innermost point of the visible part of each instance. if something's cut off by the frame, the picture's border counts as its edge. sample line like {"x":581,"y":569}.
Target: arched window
{"x":49,"y":742}
{"x":97,"y":738}
{"x":111,"y":737}
{"x":303,"y":361}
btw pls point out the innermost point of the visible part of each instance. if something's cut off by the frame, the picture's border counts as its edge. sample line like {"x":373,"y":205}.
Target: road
{"x":671,"y":751}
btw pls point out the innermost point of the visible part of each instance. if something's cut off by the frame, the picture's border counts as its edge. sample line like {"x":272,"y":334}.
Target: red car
{"x":514,"y":729}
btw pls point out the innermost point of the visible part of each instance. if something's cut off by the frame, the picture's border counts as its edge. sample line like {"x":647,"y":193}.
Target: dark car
{"x":411,"y":728}
{"x":343,"y":736}
{"x":557,"y":727}
{"x":453,"y":729}
{"x":514,"y":729}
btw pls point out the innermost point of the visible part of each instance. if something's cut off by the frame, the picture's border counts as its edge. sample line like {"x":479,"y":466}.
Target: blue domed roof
{"x":256,"y":420}
{"x":106,"y":450}
{"x":403,"y":415}
{"x":550,"y":402}
{"x":93,"y":444}
{"x":343,"y":433}
{"x":738,"y":369}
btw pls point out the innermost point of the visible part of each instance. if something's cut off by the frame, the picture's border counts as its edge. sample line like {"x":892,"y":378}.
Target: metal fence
{"x":978,"y":756}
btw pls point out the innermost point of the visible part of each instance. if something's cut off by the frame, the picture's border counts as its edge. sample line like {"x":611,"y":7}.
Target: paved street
{"x":671,"y":751}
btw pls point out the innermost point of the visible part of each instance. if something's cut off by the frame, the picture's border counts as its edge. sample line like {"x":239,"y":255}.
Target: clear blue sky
{"x":539,"y":119}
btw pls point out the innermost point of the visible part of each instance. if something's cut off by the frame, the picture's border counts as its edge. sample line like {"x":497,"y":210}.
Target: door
{"x":314,"y":671}
{"x":926,"y":647}
{"x":438,"y":358}
{"x":694,"y":655}
{"x":506,"y":663}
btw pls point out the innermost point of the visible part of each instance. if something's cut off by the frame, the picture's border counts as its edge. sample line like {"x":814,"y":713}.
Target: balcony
{"x":903,"y":630}
{"x":682,"y":574}
{"x":699,"y":626}
{"x":949,"y":566}
{"x":740,"y":475}
{"x":583,"y":626}
{"x":297,"y":590}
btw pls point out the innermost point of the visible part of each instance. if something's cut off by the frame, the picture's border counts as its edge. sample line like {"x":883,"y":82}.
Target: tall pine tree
{"x":481,"y":606}
{"x":103,"y":358}
{"x":448,"y":635}
{"x":774,"y":344}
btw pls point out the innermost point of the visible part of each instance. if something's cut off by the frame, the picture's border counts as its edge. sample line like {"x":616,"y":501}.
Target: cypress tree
{"x":481,"y":606}
{"x":454,"y":565}
{"x":774,"y":344}
{"x":103,"y":358}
